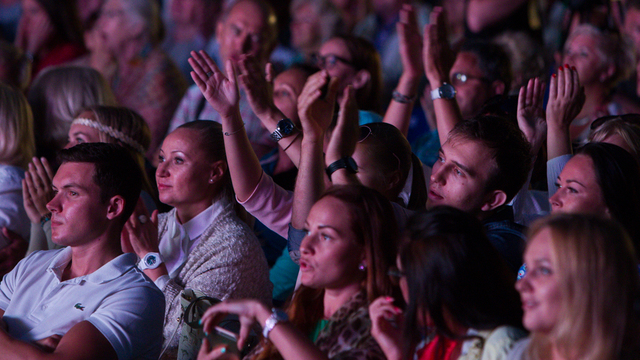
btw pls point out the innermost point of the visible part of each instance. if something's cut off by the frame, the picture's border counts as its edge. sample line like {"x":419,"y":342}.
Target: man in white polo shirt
{"x":87,"y":300}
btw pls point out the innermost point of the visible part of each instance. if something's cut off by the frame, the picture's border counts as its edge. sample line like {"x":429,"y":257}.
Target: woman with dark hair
{"x":580,"y":296}
{"x":201,"y":244}
{"x":50,"y":32}
{"x":349,"y":245}
{"x":601,"y":179}
{"x":353,"y":61}
{"x":460,"y":295}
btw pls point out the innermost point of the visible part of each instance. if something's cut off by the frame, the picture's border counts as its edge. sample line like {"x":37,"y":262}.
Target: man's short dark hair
{"x":116,"y":173}
{"x":511,"y":150}
{"x":493,"y":61}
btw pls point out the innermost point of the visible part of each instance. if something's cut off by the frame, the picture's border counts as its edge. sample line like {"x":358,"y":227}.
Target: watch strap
{"x":346,"y":162}
{"x":150,"y":260}
{"x":276,"y":317}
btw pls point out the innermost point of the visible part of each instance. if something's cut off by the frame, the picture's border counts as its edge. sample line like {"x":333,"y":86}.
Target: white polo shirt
{"x":122,"y":303}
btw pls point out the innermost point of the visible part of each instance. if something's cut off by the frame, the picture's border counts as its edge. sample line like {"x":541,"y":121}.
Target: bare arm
{"x":438,"y":59}
{"x":399,"y":113}
{"x":82,"y":341}
{"x":481,"y":14}
{"x":222,"y":93}
{"x":315,"y":115}
{"x":290,"y":342}
{"x":566,"y":97}
{"x":343,"y":138}
{"x":259,"y":89}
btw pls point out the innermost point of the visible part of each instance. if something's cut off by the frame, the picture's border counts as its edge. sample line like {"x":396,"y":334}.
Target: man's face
{"x":460,"y":176}
{"x":472,"y":87}
{"x":77,"y":214}
{"x":244,"y":31}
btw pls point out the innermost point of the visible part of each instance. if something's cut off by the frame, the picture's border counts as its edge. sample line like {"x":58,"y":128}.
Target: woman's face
{"x":35,"y":17}
{"x":116,"y":27}
{"x":330,"y":257}
{"x":336,"y":59}
{"x":583,"y":53}
{"x":286,"y":88}
{"x":579,"y":191}
{"x":79,"y":134}
{"x":540,"y":288}
{"x":184,"y":172}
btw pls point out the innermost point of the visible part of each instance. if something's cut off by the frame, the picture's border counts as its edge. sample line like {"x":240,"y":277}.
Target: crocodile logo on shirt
{"x":79,"y":306}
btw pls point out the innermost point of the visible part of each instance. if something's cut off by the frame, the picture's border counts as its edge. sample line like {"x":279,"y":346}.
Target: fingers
{"x":231,"y":72}
{"x":269,"y":73}
{"x":154,"y":217}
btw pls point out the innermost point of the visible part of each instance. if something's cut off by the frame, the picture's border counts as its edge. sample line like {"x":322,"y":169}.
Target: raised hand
{"x":220,"y":91}
{"x":37,"y":189}
{"x":386,"y":325}
{"x":248,"y":312}
{"x":566,"y":98}
{"x":316,"y":111}
{"x":410,"y":42}
{"x":257,"y":84}
{"x":345,"y":135}
{"x":437,"y":54}
{"x":531,"y":118}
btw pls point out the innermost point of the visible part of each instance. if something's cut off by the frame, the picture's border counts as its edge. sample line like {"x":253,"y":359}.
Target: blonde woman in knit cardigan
{"x":202,"y":244}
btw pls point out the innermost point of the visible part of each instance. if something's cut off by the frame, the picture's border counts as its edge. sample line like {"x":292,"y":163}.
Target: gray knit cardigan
{"x":228,"y":262}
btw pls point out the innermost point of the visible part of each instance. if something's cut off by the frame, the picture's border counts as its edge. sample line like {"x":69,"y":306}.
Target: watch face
{"x":150,"y":260}
{"x":447,"y":91}
{"x":286,"y":127}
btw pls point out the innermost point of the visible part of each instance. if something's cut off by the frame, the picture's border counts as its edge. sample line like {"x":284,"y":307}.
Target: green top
{"x":321,"y":324}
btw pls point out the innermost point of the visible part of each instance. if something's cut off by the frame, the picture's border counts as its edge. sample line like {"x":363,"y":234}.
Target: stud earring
{"x":210,"y":181}
{"x":362,"y":267}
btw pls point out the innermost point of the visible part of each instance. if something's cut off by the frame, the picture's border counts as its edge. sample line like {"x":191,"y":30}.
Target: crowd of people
{"x":320,"y":179}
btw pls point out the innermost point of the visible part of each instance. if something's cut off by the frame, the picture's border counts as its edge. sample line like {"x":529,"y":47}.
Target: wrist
{"x":408,"y":82}
{"x":262,"y":313}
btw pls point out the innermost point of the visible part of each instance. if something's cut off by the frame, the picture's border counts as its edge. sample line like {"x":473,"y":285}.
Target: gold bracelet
{"x":234,"y":132}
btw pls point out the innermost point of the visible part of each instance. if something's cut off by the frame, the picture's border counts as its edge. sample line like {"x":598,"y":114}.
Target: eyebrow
{"x":572,"y":182}
{"x":461,"y":166}
{"x":69,"y":186}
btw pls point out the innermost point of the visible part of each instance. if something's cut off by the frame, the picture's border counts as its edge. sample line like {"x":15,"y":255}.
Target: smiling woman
{"x":571,"y":305}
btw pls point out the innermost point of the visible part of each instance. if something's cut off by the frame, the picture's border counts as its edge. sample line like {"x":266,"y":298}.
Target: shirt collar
{"x":107,"y":272}
{"x":196,"y":226}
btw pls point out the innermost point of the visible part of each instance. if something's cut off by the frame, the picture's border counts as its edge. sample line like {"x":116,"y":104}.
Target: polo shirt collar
{"x":108,"y":272}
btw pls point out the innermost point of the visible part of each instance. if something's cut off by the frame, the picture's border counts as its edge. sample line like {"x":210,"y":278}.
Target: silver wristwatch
{"x":276,"y":317}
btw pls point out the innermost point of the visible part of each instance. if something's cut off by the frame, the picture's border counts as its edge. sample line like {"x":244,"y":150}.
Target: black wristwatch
{"x":344,"y":163}
{"x":446,"y":91}
{"x":285,"y":128}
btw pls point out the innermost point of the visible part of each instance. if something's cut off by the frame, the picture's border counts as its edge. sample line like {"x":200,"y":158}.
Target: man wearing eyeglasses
{"x":480,"y":72}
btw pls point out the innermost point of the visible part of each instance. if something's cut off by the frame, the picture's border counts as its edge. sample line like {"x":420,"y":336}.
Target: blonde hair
{"x":17,"y":144}
{"x":628,"y":131}
{"x":148,"y":12}
{"x":597,"y":274}
{"x":56,"y":96}
{"x":129,"y":123}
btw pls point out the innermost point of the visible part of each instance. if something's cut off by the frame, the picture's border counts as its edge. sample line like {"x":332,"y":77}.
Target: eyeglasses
{"x":365,"y":131}
{"x":328,"y":61}
{"x":462,"y":78}
{"x":396,"y":273}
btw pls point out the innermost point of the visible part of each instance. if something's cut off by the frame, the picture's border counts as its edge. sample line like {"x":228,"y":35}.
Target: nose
{"x":437,"y":174}
{"x":306,"y":246}
{"x":54,"y":205}
{"x":556,"y":200}
{"x":523,"y":284}
{"x":161,"y":170}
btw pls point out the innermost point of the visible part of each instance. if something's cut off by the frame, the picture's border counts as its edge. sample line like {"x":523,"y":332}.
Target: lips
{"x":434,"y":196}
{"x":163,"y":186}
{"x":304,"y":265}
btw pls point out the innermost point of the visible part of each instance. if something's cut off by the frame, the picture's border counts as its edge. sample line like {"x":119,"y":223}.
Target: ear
{"x":116,"y":207}
{"x":607,"y":73}
{"x":217,"y":171}
{"x":497,"y":87}
{"x":493,"y":200}
{"x":361,"y":79}
{"x":394,"y":180}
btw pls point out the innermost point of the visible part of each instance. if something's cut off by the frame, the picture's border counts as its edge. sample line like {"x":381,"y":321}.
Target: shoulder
{"x":518,"y":349}
{"x":499,"y":342}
